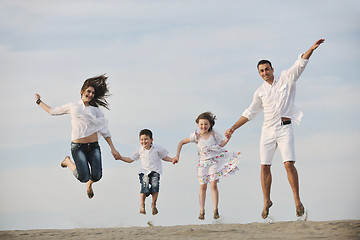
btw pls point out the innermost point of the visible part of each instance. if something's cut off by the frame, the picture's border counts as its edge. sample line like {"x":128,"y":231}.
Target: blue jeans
{"x":87,"y":158}
{"x":152,"y":179}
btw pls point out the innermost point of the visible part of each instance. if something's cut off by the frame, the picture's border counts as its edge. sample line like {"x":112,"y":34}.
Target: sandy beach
{"x":343,"y":229}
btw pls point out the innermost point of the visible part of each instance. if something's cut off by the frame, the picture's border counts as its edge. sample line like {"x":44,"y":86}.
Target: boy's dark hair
{"x":208,"y":116}
{"x":146,"y":132}
{"x":264,"y":62}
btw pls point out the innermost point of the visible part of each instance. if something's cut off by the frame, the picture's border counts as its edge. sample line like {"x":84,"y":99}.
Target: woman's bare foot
{"x":265,"y":212}
{"x":142,"y":209}
{"x":90,"y":191}
{"x":216,"y":214}
{"x":65,"y":162}
{"x":202,"y":215}
{"x":154,"y":209}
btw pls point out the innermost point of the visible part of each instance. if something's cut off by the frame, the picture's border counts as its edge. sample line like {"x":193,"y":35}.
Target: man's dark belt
{"x":286,"y":122}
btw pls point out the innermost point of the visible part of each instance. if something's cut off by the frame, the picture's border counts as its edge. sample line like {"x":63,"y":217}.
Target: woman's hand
{"x":116,"y":154}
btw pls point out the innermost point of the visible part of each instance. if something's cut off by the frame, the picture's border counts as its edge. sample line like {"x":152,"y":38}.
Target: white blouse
{"x":85,"y":120}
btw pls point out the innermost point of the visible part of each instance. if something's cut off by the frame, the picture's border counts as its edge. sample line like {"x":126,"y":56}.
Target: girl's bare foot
{"x":142,"y":209}
{"x":265,"y":212}
{"x":216,"y":214}
{"x":64,"y":163}
{"x":202,"y":215}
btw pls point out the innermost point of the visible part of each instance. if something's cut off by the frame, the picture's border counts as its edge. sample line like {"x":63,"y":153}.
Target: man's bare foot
{"x":64,"y":163}
{"x":202,"y":215}
{"x":142,"y":209}
{"x":300,"y":210}
{"x":216,"y":214}
{"x":265,"y":212}
{"x":90,"y":191}
{"x":154,"y":210}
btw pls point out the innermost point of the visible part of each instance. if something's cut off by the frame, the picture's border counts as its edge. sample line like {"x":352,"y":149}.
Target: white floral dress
{"x":214,"y":161}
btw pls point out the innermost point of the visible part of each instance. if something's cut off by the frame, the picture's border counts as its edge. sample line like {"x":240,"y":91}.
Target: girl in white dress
{"x":214,"y":160}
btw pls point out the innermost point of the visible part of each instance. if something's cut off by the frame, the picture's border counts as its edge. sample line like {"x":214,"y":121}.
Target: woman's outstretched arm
{"x":42,"y":104}
{"x":114,"y":152}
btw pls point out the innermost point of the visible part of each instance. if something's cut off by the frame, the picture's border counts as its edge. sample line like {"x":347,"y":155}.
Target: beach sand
{"x":346,"y":229}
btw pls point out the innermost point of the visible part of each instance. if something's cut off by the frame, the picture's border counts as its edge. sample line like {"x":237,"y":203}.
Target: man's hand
{"x":229,"y":132}
{"x":309,"y":52}
{"x":317,"y":44}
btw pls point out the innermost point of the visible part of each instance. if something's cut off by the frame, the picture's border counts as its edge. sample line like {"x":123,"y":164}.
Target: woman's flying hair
{"x":101,"y":90}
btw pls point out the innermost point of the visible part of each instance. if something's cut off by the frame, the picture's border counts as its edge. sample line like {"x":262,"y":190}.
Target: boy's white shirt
{"x":151,"y":160}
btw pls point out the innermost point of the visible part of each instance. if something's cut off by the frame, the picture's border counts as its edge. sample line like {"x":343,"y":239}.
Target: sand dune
{"x":346,"y":229}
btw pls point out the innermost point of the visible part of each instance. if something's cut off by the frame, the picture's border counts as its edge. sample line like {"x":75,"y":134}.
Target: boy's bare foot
{"x":154,"y":210}
{"x":90,"y":191}
{"x":202,"y":215}
{"x":265,"y":212}
{"x":64,"y":162}
{"x":300,"y":210}
{"x":142,"y":209}
{"x":216,"y":214}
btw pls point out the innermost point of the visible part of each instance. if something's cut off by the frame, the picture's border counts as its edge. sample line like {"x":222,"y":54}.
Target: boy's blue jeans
{"x":149,"y":183}
{"x":87,"y":158}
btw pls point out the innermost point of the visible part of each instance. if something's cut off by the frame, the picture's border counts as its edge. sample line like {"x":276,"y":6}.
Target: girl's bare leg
{"x":215,"y":198}
{"x":202,"y":197}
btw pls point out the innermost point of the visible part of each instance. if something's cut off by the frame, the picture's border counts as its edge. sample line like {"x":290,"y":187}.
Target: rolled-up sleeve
{"x":104,"y":130}
{"x":293,"y":73}
{"x":254,"y":108}
{"x":65,"y":109}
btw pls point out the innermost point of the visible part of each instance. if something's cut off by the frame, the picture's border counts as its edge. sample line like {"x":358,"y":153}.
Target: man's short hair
{"x":264,"y":62}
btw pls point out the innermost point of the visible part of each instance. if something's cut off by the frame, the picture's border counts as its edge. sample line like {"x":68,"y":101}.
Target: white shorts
{"x":281,"y":136}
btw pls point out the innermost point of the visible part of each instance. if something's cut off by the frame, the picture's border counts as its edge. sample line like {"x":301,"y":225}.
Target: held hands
{"x":175,"y":160}
{"x":229,"y":132}
{"x":116,"y":154}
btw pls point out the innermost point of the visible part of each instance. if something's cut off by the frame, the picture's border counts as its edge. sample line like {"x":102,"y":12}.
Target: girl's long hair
{"x":101,"y":90}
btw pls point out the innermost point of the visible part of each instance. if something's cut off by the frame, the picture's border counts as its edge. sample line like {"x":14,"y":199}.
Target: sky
{"x":167,"y":62}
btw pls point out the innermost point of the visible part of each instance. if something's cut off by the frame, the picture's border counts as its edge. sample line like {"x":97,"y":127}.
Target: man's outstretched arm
{"x":242,"y":120}
{"x":312,"y":48}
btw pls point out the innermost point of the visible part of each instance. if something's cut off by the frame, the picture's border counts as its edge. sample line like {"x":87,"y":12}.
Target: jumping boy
{"x":150,"y":156}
